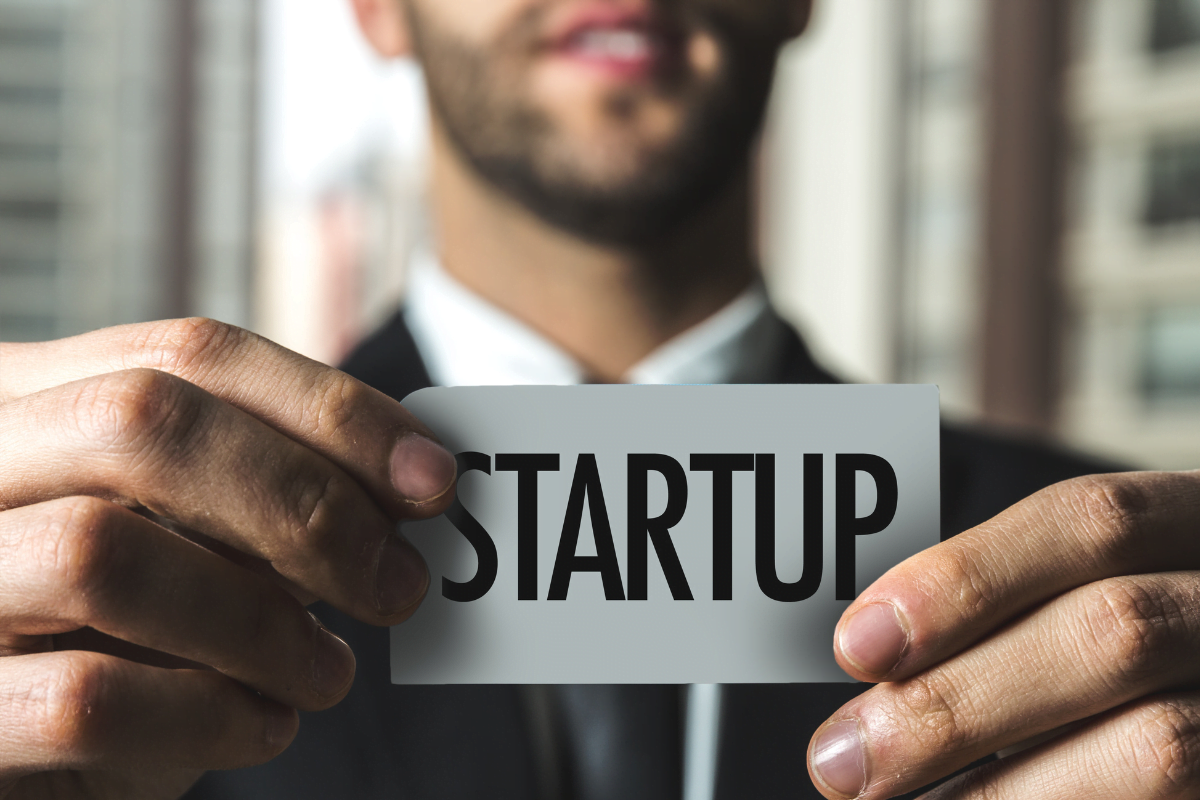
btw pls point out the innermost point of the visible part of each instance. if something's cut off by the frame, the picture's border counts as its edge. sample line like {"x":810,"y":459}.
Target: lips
{"x":612,"y":44}
{"x":624,"y":42}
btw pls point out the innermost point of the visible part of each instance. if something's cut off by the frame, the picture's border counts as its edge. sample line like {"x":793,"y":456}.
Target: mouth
{"x":623,"y":43}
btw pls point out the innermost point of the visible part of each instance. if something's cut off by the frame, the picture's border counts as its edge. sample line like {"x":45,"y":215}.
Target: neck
{"x":608,"y":307}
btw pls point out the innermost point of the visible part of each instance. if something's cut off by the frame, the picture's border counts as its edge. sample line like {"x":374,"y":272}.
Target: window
{"x":1176,"y":25}
{"x":12,"y":266}
{"x":26,"y":327}
{"x":1171,"y":348}
{"x":1174,"y":183}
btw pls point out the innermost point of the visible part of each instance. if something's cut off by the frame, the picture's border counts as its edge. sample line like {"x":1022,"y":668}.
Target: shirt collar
{"x":466,"y":341}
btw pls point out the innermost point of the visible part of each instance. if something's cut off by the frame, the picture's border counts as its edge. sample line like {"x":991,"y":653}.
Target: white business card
{"x":664,"y":534}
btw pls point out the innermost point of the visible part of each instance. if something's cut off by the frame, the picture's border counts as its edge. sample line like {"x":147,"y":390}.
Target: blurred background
{"x":1001,"y":197}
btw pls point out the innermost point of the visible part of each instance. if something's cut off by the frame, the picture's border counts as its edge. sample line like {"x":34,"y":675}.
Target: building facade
{"x":1020,"y":227}
{"x":1132,"y":253}
{"x":126,"y":162}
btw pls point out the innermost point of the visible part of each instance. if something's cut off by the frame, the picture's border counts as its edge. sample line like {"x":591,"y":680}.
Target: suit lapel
{"x":614,"y":742}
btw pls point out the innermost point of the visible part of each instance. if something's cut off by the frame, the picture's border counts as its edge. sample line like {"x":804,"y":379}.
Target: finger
{"x":147,"y":438}
{"x":1084,"y":653}
{"x":86,"y":562}
{"x":367,"y":434}
{"x":1149,"y":750}
{"x":90,"y":711}
{"x":940,"y":601}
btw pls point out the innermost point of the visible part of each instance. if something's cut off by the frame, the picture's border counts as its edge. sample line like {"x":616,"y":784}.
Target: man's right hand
{"x":120,"y":452}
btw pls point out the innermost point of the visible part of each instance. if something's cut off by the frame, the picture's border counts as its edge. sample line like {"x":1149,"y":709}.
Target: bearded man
{"x":591,"y":177}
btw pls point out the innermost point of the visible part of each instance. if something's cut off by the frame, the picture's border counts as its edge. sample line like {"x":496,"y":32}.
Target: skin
{"x":1076,"y":612}
{"x":132,"y":658}
{"x":172,"y":494}
{"x":618,"y":301}
{"x":1063,"y":633}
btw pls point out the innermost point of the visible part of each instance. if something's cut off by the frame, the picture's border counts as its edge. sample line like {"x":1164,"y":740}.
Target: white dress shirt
{"x":466,"y":341}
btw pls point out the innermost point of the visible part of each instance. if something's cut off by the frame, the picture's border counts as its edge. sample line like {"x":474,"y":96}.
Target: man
{"x":591,"y":192}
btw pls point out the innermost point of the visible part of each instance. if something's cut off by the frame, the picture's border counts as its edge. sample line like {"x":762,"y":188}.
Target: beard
{"x":625,"y":193}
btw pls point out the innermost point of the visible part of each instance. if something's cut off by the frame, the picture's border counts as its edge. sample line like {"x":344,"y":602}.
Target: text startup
{"x":645,"y":531}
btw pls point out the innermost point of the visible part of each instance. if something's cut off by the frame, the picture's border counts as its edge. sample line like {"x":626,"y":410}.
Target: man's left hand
{"x":1068,"y":626}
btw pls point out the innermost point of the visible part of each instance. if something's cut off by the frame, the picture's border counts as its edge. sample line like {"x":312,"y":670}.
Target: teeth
{"x":616,"y":45}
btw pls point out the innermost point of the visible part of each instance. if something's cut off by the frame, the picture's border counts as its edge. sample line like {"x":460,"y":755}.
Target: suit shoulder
{"x":388,"y":360}
{"x":984,"y":471}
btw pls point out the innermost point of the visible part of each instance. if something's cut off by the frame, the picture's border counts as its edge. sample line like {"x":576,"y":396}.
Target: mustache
{"x":529,"y":29}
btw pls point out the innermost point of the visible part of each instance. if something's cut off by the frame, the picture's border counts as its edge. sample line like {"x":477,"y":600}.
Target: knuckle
{"x":1165,"y":748}
{"x":1113,"y":508}
{"x":77,"y":547}
{"x":959,"y":575}
{"x":67,"y":706}
{"x":133,"y":409}
{"x":257,"y":628}
{"x":237,"y":732}
{"x":180,"y":346}
{"x":1131,"y":626}
{"x":334,"y":405}
{"x":318,"y":504}
{"x":931,"y":713}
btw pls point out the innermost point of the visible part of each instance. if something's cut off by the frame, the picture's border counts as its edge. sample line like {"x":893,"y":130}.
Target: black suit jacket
{"x":611,"y":743}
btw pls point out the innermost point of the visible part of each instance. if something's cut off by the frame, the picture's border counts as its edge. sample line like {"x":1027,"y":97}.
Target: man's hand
{"x":122,"y":449}
{"x":1076,"y":613}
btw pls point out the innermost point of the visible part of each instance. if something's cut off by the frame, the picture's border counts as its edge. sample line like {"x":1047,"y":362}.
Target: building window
{"x":31,"y":93}
{"x":15,"y":327}
{"x":1174,"y":183}
{"x":1171,"y":355}
{"x":1176,"y":25}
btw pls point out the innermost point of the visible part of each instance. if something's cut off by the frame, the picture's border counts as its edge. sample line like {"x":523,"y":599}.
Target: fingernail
{"x":333,"y":663}
{"x":401,"y":576}
{"x":837,"y":758}
{"x":422,"y":470}
{"x":281,"y":725}
{"x":874,"y":639}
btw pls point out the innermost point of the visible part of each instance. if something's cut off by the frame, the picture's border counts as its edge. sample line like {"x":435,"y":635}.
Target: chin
{"x":608,"y":165}
{"x":614,"y":151}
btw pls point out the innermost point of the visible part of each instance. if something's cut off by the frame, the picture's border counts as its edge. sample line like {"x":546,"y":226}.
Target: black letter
{"x":659,"y":528}
{"x":586,"y":482}
{"x":848,"y":526}
{"x":764,"y":529}
{"x":468,"y":526}
{"x":722,"y":467}
{"x":527,"y":468}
